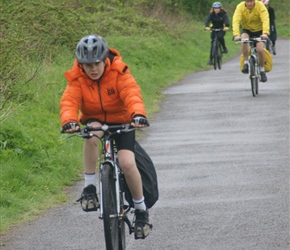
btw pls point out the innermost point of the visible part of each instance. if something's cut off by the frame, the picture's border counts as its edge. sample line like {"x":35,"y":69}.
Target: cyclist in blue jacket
{"x":218,"y":19}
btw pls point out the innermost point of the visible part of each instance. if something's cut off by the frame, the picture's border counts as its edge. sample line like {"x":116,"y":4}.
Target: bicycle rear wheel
{"x":110,"y":215}
{"x":214,"y":54}
{"x":219,"y":56}
{"x":253,"y":77}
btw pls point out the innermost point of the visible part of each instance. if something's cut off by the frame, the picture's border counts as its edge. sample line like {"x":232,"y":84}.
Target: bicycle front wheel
{"x":110,"y":214}
{"x":121,"y":232}
{"x":253,"y":76}
{"x":214,"y":54}
{"x":219,"y":56}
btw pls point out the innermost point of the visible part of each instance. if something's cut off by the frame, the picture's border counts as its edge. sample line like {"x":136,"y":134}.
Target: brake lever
{"x":129,"y":129}
{"x":85,"y":134}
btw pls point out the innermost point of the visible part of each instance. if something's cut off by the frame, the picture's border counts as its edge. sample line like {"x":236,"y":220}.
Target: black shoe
{"x":142,"y":226}
{"x":89,"y":199}
{"x":225,"y":50}
{"x":209,"y":62}
{"x":245,"y":68}
{"x":263,"y":76}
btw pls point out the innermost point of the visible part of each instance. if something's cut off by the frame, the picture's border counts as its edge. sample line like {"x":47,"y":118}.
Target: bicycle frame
{"x":110,"y":159}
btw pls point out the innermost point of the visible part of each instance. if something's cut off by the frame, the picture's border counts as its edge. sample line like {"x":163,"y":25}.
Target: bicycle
{"x":113,"y":210}
{"x":216,"y":52}
{"x":254,"y":69}
{"x":269,"y":46}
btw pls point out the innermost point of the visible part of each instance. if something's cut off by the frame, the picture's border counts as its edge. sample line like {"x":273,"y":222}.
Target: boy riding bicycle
{"x":253,"y":17}
{"x":102,"y":88}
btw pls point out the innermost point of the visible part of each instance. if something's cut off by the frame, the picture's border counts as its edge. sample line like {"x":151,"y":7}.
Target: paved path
{"x":222,"y":158}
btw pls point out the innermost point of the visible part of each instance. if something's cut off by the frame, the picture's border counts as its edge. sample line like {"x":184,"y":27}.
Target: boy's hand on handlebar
{"x":70,"y":127}
{"x":139,"y":122}
{"x":226,"y":28}
{"x":207,"y":28}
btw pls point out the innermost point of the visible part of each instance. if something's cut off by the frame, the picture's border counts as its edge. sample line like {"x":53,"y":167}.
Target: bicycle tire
{"x":257,"y":85}
{"x":121,"y":232}
{"x":110,"y":216}
{"x":214,"y":54}
{"x":253,"y":77}
{"x":220,"y":56}
{"x":257,"y":80}
{"x":121,"y":228}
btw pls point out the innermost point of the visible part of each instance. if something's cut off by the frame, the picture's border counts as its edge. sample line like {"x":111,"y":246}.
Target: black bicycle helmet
{"x":91,"y":49}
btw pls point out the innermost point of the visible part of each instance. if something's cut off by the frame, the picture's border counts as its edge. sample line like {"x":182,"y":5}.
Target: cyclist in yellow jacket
{"x":252,"y":16}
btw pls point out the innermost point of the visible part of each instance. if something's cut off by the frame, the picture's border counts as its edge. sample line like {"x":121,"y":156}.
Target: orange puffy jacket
{"x":114,"y":98}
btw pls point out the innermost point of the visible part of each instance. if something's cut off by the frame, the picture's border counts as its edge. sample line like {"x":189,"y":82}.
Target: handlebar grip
{"x":63,"y":132}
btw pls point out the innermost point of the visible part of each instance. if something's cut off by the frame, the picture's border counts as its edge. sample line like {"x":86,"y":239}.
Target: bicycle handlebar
{"x":85,"y":132}
{"x":250,"y":40}
{"x":105,"y":127}
{"x":216,"y":29}
{"x":211,"y":29}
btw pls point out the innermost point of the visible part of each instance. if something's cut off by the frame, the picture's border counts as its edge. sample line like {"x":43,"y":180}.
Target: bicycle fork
{"x":256,"y":72}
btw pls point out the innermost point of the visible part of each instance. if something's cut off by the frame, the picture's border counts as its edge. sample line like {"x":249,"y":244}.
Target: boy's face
{"x":250,"y":4}
{"x":94,"y":70}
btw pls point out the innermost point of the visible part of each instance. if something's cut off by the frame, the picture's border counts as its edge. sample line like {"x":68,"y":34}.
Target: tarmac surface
{"x":222,"y":159}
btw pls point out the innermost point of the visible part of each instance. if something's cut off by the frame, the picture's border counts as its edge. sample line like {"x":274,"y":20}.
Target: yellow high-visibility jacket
{"x":254,"y":20}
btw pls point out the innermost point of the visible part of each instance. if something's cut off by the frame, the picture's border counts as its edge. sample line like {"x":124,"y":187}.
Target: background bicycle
{"x":253,"y":62}
{"x":269,"y":46}
{"x":216,"y":50}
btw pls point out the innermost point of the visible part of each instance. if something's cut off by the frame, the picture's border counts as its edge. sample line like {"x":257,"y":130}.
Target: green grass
{"x":36,"y":162}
